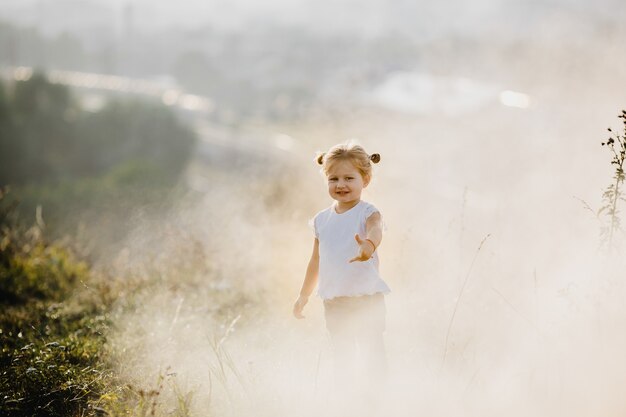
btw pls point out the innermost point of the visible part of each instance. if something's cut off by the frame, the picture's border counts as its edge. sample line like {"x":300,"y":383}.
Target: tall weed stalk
{"x":614,"y":193}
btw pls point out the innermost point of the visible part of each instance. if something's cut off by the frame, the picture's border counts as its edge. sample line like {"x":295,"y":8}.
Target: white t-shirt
{"x":335,"y":232}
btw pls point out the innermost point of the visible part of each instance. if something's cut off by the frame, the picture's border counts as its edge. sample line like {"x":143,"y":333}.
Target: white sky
{"x":365,"y":17}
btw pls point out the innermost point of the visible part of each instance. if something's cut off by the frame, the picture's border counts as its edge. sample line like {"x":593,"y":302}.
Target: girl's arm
{"x":373,"y":237}
{"x":310,"y":281}
{"x":374,"y":228}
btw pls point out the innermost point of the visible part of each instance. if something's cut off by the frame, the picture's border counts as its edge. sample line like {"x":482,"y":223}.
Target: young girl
{"x":345,"y":260}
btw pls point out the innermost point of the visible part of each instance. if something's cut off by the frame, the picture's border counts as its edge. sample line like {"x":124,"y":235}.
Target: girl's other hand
{"x":366,"y":249}
{"x":299,"y":306}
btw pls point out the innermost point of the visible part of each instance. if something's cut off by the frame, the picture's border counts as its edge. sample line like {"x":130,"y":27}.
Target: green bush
{"x":46,"y":137}
{"x":53,"y":366}
{"x":87,"y":173}
{"x":52,"y":343}
{"x":37,"y":271}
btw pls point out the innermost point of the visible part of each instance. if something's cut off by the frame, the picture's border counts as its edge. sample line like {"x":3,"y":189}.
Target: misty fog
{"x":489,"y":118}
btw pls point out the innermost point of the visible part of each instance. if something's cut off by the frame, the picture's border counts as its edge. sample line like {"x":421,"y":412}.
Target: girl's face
{"x":345,"y":182}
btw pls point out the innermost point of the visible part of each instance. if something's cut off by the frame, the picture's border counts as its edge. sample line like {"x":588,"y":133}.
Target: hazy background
{"x":488,"y":116}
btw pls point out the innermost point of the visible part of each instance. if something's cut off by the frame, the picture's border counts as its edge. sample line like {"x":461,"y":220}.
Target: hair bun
{"x":375,"y":158}
{"x":320,"y":158}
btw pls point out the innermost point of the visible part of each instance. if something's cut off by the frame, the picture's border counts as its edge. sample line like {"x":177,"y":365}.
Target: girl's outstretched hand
{"x":366,"y":249}
{"x":299,"y":306}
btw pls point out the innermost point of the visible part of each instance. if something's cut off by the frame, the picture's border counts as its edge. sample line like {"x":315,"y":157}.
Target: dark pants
{"x":356,"y":326}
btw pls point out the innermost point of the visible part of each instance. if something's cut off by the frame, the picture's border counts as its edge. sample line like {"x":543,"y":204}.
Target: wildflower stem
{"x":458,"y":300}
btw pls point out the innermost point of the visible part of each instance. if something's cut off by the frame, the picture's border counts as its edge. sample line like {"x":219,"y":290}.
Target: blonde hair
{"x":348,"y":151}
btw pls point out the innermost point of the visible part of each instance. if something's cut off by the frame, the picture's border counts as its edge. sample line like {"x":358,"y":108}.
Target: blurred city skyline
{"x":277,"y":59}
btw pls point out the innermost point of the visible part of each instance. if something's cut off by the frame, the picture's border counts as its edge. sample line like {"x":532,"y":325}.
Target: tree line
{"x":45,"y":136}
